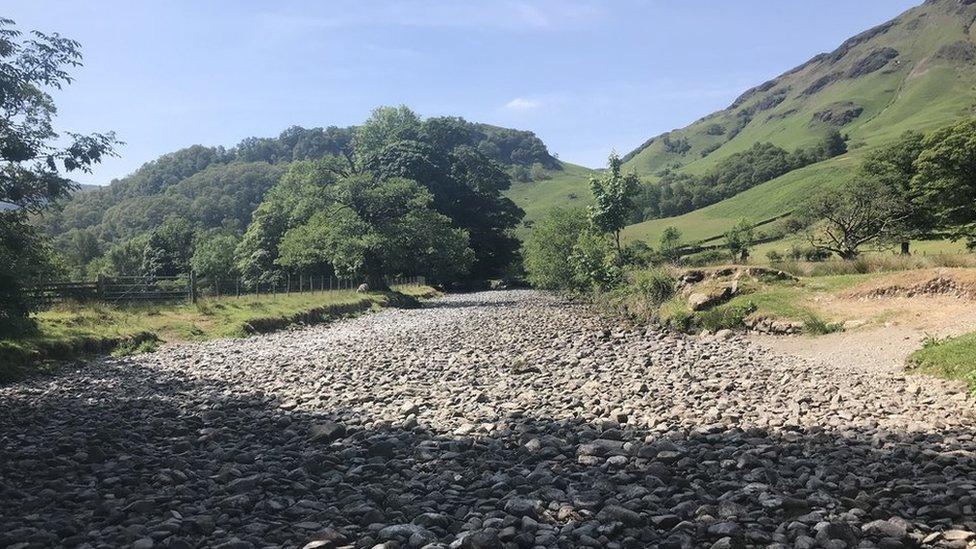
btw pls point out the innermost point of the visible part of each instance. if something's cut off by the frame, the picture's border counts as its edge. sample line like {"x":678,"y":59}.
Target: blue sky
{"x":586,"y":76}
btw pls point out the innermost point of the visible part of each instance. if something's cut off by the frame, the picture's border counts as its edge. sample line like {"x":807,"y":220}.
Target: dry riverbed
{"x":505,"y":419}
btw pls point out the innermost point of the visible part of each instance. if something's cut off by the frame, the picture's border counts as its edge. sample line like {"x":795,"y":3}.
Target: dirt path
{"x":873,"y":348}
{"x":507,"y":419}
{"x":897,"y":328}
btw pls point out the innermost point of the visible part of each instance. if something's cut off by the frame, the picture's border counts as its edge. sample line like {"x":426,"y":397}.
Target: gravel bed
{"x":504,"y":419}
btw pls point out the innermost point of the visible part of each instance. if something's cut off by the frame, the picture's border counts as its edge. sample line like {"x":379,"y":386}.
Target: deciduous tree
{"x":34,"y":158}
{"x":862,"y":213}
{"x":614,"y":196}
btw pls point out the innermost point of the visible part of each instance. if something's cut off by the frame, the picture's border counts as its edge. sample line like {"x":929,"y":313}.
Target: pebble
{"x":496,"y":419}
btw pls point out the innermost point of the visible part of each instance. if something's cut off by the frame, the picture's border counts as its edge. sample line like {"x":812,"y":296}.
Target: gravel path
{"x":484,"y":420}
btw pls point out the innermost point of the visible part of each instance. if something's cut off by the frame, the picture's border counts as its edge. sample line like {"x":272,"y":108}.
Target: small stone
{"x":523,"y":507}
{"x":326,"y":431}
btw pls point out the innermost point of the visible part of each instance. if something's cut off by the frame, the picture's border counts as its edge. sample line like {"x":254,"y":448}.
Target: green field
{"x":567,"y":187}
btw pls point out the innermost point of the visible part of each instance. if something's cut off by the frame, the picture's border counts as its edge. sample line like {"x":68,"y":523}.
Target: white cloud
{"x":522,"y":104}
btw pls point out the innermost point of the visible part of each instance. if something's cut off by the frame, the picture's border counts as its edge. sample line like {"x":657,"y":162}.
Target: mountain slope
{"x":569,"y":187}
{"x":917,"y":71}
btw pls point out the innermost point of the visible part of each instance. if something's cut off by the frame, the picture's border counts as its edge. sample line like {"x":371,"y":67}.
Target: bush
{"x":655,"y":286}
{"x":548,"y":247}
{"x":640,"y":299}
{"x":728,"y":317}
{"x":774,"y":257}
{"x":639,"y":254}
{"x":710,"y":257}
{"x":539,"y":172}
{"x":26,"y":259}
{"x":809,"y":253}
{"x":521,"y":174}
{"x":594,"y":262}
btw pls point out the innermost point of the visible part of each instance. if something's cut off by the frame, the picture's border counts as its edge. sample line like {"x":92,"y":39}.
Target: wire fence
{"x":162,"y":289}
{"x":295,"y":284}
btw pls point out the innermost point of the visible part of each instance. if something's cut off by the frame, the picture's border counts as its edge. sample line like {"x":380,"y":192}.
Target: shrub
{"x":710,"y":257}
{"x":774,"y":257}
{"x":521,"y":174}
{"x":594,"y":262}
{"x":26,"y":259}
{"x":639,"y":254}
{"x":815,"y":325}
{"x":807,"y":253}
{"x":641,"y":297}
{"x":656,"y":285}
{"x":539,"y":172}
{"x":728,"y":317}
{"x":548,"y":247}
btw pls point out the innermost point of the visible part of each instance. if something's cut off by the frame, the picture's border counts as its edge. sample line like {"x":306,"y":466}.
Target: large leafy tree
{"x":376,"y":227}
{"x":467,"y":187}
{"x":169,"y":249}
{"x":865,"y":212}
{"x":387,"y":125}
{"x":302,"y":192}
{"x":894,"y":166}
{"x":34,"y":158}
{"x":946,"y":178}
{"x":614,"y":196}
{"x":213,"y":256}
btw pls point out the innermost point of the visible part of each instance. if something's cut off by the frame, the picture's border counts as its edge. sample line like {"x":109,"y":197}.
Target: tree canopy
{"x":34,"y":158}
{"x":464,"y":165}
{"x":946,"y":177}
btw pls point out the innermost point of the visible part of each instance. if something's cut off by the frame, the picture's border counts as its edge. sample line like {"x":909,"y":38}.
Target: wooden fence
{"x":188,"y":288}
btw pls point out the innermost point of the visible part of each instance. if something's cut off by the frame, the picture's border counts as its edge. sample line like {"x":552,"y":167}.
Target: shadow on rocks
{"x":128,"y":456}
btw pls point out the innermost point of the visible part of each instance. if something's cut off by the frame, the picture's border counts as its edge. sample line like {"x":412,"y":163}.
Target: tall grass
{"x":875,"y":264}
{"x":643,"y":293}
{"x":951,"y":358}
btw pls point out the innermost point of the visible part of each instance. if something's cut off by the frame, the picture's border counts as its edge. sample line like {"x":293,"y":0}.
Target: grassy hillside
{"x":567,"y":187}
{"x":758,"y":203}
{"x":917,"y":71}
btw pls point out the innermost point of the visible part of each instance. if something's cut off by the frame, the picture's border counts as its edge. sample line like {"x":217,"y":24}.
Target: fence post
{"x":193,"y":287}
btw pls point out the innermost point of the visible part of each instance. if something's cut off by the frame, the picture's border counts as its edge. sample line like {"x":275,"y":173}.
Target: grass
{"x":778,"y":300}
{"x":919,"y":248}
{"x":567,"y":187}
{"x":70,"y":331}
{"x":950,"y":358}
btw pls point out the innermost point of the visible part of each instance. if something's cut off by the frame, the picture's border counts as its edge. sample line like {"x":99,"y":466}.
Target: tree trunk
{"x":376,"y":283}
{"x":905,"y":248}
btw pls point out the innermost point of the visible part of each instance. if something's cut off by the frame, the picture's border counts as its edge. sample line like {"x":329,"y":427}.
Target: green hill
{"x":567,"y":187}
{"x":917,"y":71}
{"x":215,"y":189}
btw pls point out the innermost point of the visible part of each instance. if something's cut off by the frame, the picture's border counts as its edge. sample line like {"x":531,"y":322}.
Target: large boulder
{"x":701,"y":301}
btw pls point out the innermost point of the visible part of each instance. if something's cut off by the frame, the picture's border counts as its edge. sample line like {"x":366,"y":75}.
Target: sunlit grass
{"x":69,"y":330}
{"x":950,"y":358}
